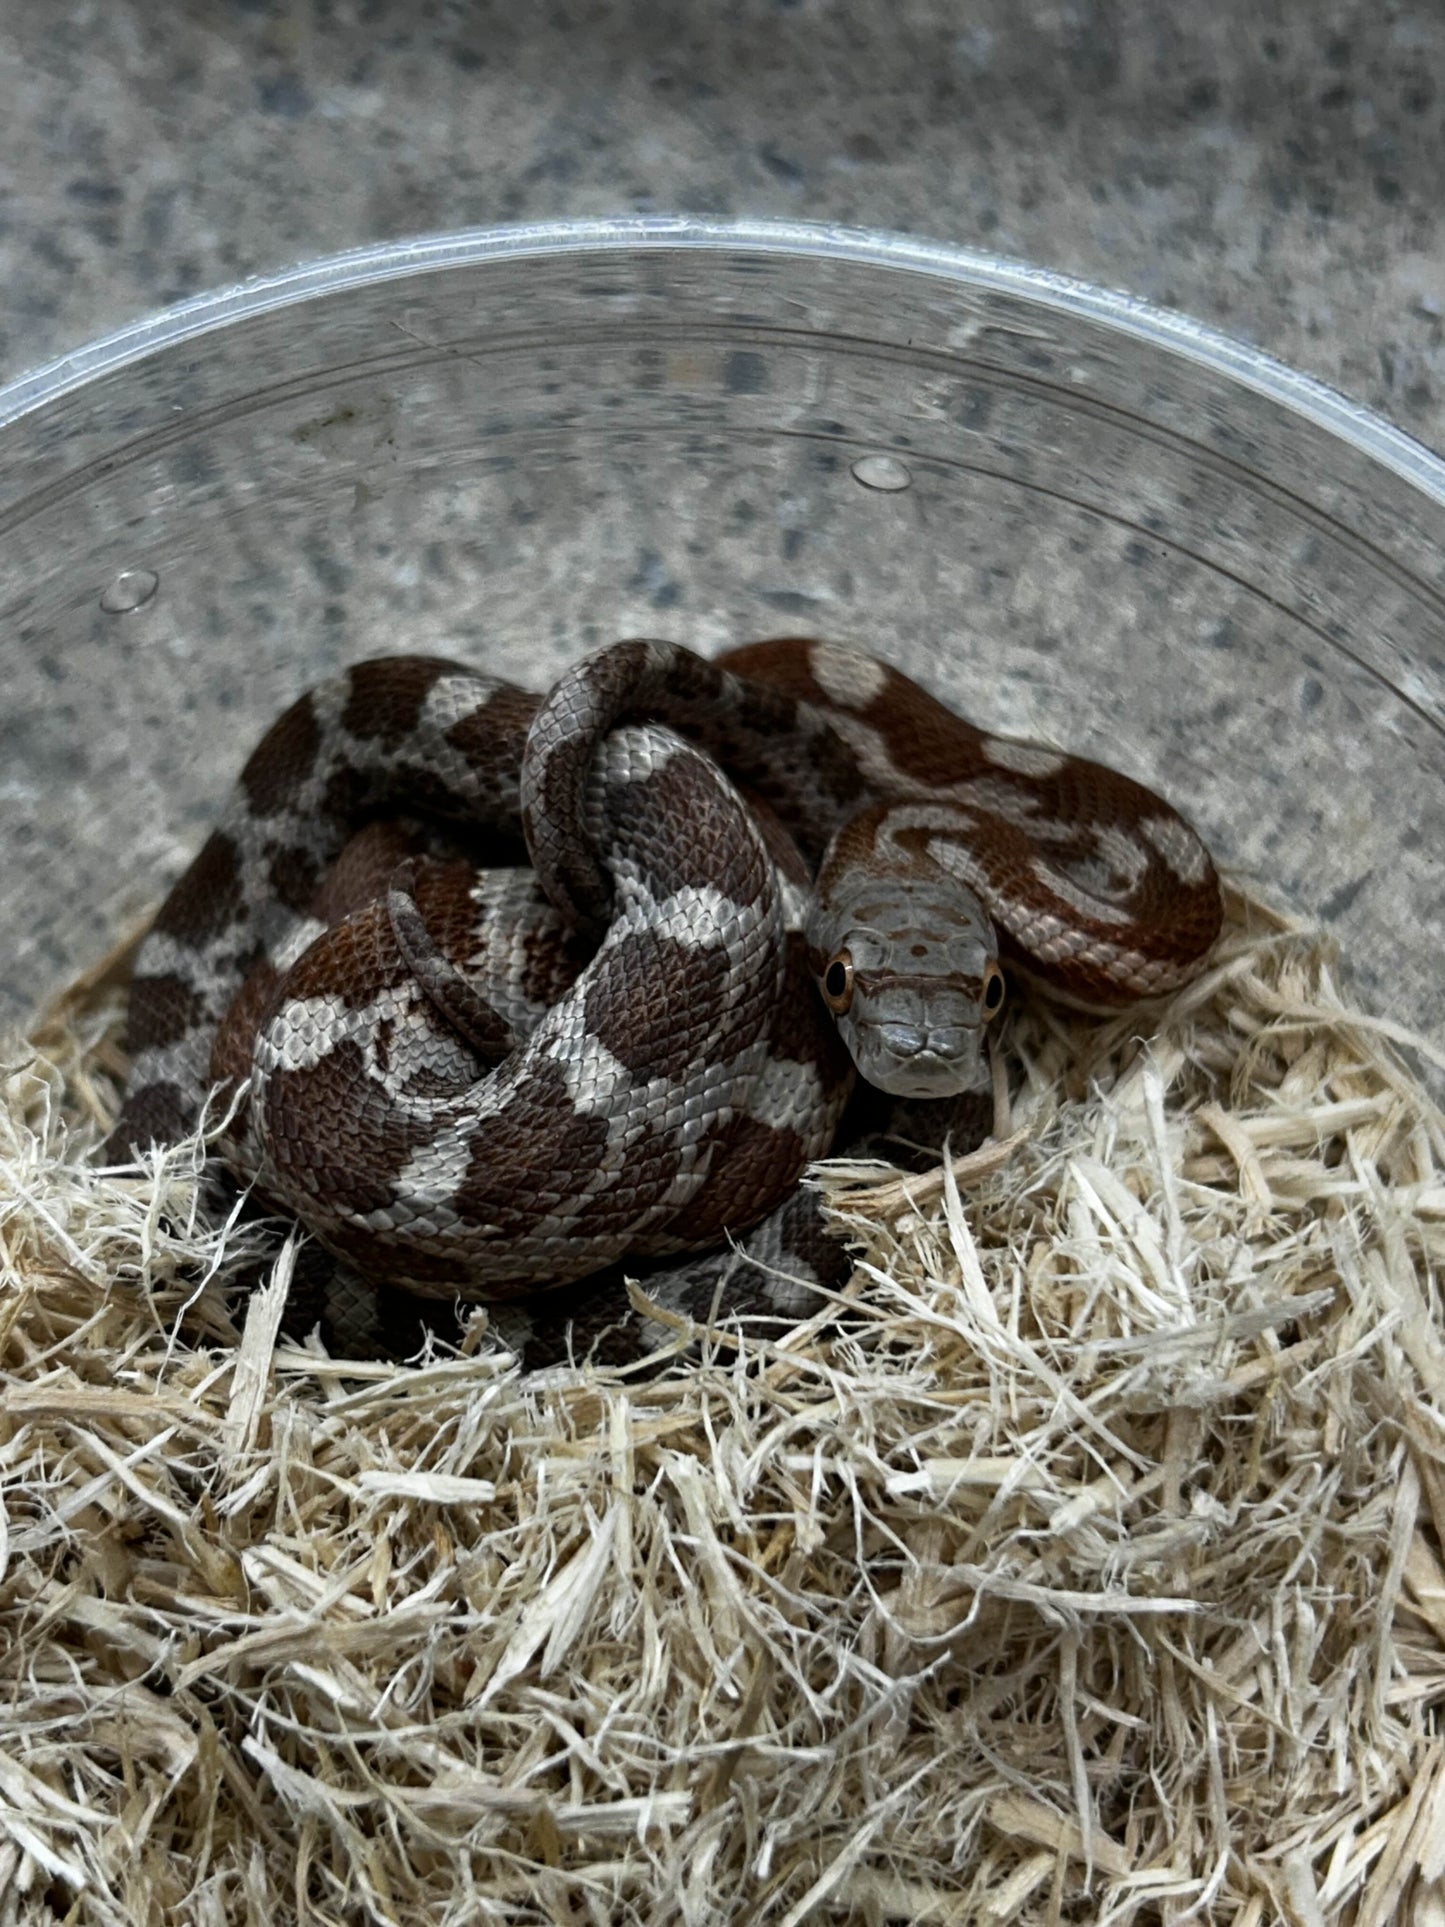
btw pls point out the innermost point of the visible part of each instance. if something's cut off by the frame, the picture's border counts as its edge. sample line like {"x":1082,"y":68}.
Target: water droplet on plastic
{"x":882,"y":472}
{"x":131,"y":589}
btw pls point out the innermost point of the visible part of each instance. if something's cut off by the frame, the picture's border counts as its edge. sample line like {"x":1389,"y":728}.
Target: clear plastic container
{"x":1075,"y":517}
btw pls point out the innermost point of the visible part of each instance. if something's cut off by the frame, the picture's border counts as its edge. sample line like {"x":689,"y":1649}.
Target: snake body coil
{"x":472,"y":1078}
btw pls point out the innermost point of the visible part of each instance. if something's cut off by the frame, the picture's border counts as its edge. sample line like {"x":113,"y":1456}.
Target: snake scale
{"x":508,"y":989}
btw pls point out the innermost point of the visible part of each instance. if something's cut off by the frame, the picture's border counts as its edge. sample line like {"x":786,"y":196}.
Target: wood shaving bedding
{"x":1086,"y":1564}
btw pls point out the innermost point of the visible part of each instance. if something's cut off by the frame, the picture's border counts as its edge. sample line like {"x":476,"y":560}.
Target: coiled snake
{"x":474,"y":1079}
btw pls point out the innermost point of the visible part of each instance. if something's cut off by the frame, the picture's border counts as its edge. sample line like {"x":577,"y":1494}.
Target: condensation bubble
{"x":131,"y":589}
{"x":882,"y":471}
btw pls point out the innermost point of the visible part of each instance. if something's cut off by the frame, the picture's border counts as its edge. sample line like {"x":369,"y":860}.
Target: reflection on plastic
{"x":884,"y":472}
{"x":131,"y":589}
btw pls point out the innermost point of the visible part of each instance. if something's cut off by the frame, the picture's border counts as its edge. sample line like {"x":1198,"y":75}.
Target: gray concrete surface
{"x":1273,"y":166}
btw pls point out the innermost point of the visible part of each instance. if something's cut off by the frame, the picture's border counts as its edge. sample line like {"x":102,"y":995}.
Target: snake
{"x":499,"y":992}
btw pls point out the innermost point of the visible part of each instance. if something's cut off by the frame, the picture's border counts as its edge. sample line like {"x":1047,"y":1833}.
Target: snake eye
{"x":993,"y":989}
{"x":838,"y":982}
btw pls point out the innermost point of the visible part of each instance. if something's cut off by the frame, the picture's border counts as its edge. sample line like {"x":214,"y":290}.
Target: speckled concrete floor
{"x":1273,"y":167}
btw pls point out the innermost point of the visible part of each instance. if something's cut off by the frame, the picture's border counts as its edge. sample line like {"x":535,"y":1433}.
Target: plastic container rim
{"x":1179,"y":334}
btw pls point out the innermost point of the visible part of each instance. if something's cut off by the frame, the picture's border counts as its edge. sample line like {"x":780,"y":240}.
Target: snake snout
{"x":918,"y":1060}
{"x":949,"y":1041}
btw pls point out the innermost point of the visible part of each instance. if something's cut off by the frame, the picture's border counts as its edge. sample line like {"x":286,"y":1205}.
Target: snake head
{"x":908,"y":965}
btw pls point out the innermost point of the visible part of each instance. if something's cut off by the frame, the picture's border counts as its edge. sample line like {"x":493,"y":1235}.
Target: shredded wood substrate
{"x":1087,"y":1563}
